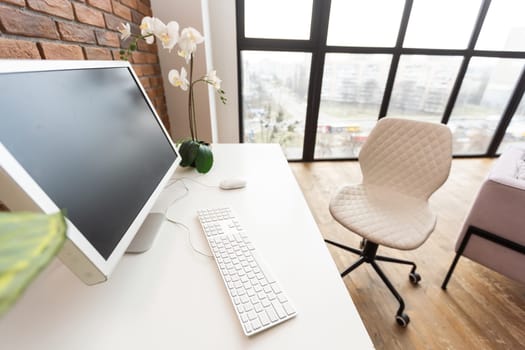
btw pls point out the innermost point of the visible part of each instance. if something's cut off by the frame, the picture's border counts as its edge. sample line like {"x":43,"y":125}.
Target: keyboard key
{"x":275,"y":288}
{"x":257,"y":297}
{"x":258,"y":307}
{"x":288,"y":308}
{"x":279,"y":309}
{"x":264,"y":318}
{"x":248,"y":327}
{"x":271,"y":314}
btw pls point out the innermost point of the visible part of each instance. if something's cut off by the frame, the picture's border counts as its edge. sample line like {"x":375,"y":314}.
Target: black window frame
{"x":317,"y":47}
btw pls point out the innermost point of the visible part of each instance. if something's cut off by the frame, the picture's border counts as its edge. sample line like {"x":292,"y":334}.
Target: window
{"x":364,"y":22}
{"x":441,"y":24}
{"x":484,"y":95}
{"x":353,"y":86}
{"x":422,"y":87}
{"x":316,"y":75}
{"x":516,"y":130}
{"x":274,"y":98}
{"x":264,"y":21}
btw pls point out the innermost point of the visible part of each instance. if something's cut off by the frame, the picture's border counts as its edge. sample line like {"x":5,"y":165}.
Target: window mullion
{"x":395,"y":59}
{"x":319,"y":32}
{"x":466,"y":59}
{"x":506,"y":118}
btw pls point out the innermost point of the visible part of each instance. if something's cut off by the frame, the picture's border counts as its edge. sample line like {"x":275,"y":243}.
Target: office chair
{"x":403,"y":162}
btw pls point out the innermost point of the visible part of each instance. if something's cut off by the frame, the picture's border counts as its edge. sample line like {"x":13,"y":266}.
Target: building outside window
{"x":319,"y":74}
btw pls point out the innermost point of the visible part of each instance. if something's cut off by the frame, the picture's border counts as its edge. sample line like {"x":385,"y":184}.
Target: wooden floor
{"x":480,"y":309}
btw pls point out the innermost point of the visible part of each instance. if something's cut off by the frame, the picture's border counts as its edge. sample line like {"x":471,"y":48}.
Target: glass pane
{"x":441,"y":24}
{"x":274,"y":92}
{"x":364,"y":22}
{"x":482,"y":99}
{"x":422,"y":86}
{"x":273,"y":19}
{"x":353,"y":86}
{"x":504,"y":27}
{"x":516,"y":130}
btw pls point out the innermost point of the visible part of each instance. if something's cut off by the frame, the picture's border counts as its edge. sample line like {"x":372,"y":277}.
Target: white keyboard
{"x":257,"y":297}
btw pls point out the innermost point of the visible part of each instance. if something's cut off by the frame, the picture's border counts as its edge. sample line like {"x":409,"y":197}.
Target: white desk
{"x":173,"y":298}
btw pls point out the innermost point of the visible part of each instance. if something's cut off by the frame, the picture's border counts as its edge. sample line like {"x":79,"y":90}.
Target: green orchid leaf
{"x":28,"y":242}
{"x":204,"y":160}
{"x":188,"y":151}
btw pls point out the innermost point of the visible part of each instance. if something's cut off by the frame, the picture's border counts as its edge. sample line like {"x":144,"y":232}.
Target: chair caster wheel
{"x":402,"y":320}
{"x":414,"y":277}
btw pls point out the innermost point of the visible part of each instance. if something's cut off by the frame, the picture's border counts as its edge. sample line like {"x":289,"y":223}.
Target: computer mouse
{"x":232,"y":184}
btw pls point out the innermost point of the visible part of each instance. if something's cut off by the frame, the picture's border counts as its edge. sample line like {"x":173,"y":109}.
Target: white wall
{"x":223,"y":39}
{"x":216,"y":20}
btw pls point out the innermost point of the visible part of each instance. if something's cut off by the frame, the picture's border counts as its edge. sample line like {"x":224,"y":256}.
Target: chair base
{"x":368,"y":254}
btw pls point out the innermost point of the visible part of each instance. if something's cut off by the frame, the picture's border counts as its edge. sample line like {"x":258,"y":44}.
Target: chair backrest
{"x":407,"y":156}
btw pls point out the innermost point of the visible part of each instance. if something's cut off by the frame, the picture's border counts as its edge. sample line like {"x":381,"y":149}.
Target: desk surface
{"x":172,"y":297}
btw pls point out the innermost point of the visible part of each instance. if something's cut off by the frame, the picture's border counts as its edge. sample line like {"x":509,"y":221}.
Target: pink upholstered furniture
{"x":494,"y":231}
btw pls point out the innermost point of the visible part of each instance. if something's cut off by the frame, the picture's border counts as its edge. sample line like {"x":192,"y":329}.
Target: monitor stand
{"x":146,"y":234}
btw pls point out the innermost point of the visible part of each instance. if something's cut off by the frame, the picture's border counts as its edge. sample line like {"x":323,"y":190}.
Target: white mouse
{"x":232,"y":184}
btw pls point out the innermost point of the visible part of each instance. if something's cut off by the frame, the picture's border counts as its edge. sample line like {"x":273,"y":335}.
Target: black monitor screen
{"x":90,"y":140}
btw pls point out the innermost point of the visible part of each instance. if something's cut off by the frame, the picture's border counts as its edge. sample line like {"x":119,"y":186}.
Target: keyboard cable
{"x":181,"y":224}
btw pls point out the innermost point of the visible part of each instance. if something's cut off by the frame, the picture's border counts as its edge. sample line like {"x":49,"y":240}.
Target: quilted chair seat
{"x":403,"y":162}
{"x":383,"y":216}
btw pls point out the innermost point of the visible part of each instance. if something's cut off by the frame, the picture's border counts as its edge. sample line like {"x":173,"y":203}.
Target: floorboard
{"x":481,"y":309}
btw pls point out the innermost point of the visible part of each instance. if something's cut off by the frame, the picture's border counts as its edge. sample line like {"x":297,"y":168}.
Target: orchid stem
{"x":190,"y":100}
{"x":194,"y":117}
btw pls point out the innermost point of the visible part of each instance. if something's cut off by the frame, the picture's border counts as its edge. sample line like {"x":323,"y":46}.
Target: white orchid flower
{"x":170,"y":35}
{"x":213,"y":79}
{"x":125,"y":31}
{"x":151,"y":25}
{"x":146,"y":28}
{"x":188,"y":41}
{"x":178,"y":80}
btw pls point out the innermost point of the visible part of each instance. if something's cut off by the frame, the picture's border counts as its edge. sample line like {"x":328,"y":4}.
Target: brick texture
{"x":15,"y":2}
{"x":76,"y":32}
{"x":130,"y":3}
{"x":122,"y":11}
{"x":97,"y":53}
{"x":60,"y":8}
{"x":80,"y":29}
{"x":101,"y":4}
{"x":11,"y":48}
{"x":24,"y":23}
{"x":89,"y":15}
{"x":112,"y":22}
{"x":106,"y":38}
{"x":52,"y":51}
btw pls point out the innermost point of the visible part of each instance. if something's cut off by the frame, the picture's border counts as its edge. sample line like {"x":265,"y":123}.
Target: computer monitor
{"x":83,"y":137}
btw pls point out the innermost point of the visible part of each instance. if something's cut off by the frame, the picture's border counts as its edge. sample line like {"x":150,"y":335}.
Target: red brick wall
{"x":80,"y":30}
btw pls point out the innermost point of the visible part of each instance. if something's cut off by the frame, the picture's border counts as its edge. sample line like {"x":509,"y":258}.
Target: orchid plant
{"x":193,"y":152}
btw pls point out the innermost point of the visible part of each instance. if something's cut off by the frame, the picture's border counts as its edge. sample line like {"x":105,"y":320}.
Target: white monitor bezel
{"x":31,"y":189}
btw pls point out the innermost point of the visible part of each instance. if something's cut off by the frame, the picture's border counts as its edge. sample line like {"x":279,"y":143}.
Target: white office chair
{"x":403,"y":162}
